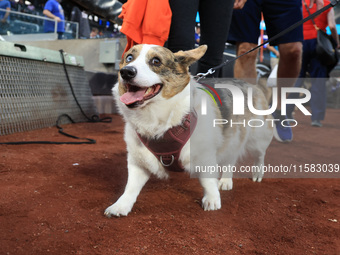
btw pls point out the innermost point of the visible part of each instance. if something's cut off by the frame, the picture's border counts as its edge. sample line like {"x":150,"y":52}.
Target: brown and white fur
{"x":153,"y":94}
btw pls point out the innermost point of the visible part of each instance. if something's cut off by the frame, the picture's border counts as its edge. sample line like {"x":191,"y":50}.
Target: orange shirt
{"x":309,"y":31}
{"x":146,"y":21}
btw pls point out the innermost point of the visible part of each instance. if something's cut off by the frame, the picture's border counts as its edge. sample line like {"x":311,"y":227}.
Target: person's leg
{"x":183,"y":21}
{"x":289,"y":66}
{"x":288,"y":70}
{"x":307,"y":55}
{"x":318,"y":103}
{"x":318,"y":100}
{"x":291,"y":107}
{"x":215,"y":22}
{"x":279,"y":15}
{"x":245,"y":67}
{"x":245,"y":32}
{"x":60,"y":35}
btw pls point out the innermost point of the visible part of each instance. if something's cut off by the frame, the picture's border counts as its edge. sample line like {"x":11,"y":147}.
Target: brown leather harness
{"x":167,"y":149}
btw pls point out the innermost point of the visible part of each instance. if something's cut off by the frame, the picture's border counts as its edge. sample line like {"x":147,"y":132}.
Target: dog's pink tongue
{"x":132,"y":97}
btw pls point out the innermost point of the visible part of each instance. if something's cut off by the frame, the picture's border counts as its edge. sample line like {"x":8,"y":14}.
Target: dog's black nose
{"x":128,"y":72}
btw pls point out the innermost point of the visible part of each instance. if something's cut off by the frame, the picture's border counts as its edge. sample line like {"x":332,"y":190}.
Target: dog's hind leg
{"x":226,"y":181}
{"x":258,"y":168}
{"x":258,"y":151}
{"x":136,"y":181}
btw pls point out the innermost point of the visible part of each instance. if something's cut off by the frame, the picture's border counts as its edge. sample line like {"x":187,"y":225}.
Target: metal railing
{"x":34,"y":89}
{"x":31,"y":27}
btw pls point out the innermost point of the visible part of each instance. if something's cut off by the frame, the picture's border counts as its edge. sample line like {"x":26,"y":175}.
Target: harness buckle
{"x":164,"y":164}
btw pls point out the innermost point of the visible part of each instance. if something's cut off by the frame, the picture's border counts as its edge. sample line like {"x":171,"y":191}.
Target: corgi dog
{"x":159,"y":101}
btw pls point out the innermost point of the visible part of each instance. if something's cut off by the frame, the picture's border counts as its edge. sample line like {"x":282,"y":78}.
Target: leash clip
{"x":203,"y":75}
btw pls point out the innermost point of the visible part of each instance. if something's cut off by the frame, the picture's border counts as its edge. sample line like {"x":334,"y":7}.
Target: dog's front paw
{"x":225,"y":184}
{"x":118,"y":209}
{"x":211,"y":202}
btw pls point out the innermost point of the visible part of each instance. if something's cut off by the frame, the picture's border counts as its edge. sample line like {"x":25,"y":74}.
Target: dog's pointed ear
{"x":189,"y":57}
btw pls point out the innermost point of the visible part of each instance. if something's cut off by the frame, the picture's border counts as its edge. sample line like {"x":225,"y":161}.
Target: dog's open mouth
{"x":136,"y":96}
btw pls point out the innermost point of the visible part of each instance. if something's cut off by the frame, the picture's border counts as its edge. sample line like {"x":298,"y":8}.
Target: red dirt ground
{"x":49,"y":205}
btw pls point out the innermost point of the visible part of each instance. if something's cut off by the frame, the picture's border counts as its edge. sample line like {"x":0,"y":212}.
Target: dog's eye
{"x":129,"y":58}
{"x":156,"y":61}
